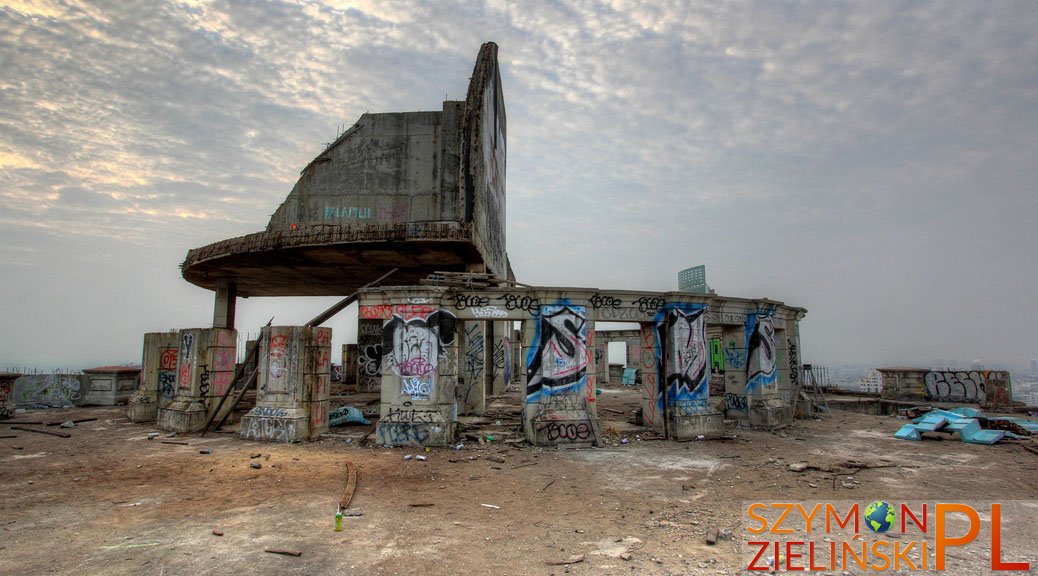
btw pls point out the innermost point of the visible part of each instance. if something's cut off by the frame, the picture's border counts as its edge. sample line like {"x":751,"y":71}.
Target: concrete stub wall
{"x":205,"y":367}
{"x":56,"y":390}
{"x":293,"y":381}
{"x":158,"y":376}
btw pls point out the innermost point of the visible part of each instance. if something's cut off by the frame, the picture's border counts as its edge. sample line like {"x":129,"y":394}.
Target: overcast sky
{"x":873,"y":162}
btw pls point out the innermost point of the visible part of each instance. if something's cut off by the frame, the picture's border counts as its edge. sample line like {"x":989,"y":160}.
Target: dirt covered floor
{"x":109,"y":500}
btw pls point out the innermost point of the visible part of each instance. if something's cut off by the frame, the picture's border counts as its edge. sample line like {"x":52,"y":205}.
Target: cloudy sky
{"x":873,"y":162}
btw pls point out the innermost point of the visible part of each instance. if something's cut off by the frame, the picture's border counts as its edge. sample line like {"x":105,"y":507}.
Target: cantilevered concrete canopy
{"x":417,"y":191}
{"x":327,"y":262}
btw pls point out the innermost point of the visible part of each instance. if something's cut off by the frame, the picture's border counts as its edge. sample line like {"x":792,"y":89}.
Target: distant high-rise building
{"x":693,"y":280}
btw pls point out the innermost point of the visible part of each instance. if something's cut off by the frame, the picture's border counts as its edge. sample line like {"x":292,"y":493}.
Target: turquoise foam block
{"x":908,"y":432}
{"x":931,"y":424}
{"x":984,"y":437}
{"x":967,"y":412}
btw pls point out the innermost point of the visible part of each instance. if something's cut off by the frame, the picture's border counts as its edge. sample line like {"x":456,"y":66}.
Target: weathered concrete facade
{"x":420,"y":397}
{"x":294,"y":377}
{"x":109,"y":385}
{"x":205,"y":369}
{"x":158,"y":376}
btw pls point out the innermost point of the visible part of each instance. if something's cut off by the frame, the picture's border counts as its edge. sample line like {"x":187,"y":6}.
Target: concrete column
{"x":158,"y":376}
{"x":472,"y":348}
{"x":369,"y":356}
{"x":560,"y":404}
{"x":502,"y":357}
{"x":683,"y":350}
{"x":294,"y":376}
{"x":767,"y":407}
{"x":601,"y":349}
{"x":7,"y":394}
{"x":226,"y":300}
{"x":205,"y":367}
{"x":645,"y":359}
{"x":420,"y":367}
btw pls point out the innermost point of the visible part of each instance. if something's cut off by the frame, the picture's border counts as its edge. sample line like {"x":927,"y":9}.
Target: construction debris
{"x":283,"y":552}
{"x":38,"y":431}
{"x":972,"y":426}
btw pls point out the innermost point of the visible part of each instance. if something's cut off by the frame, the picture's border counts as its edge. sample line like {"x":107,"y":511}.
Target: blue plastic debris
{"x":908,"y":432}
{"x":346,"y":415}
{"x":963,"y":420}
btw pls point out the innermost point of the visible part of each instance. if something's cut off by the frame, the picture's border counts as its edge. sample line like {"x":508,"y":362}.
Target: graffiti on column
{"x":503,"y":359}
{"x":5,"y":399}
{"x":472,"y":360}
{"x":650,"y":388}
{"x":412,"y":349}
{"x":716,"y":356}
{"x":278,"y":355}
{"x":187,"y":342}
{"x":687,"y":373}
{"x":761,"y":362}
{"x":794,"y":363}
{"x":557,"y":360}
{"x":167,"y":373}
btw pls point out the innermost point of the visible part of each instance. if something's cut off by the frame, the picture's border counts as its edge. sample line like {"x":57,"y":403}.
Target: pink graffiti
{"x":417,"y":366}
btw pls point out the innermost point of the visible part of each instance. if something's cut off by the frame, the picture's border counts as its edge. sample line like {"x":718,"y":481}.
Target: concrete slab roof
{"x":328,"y":261}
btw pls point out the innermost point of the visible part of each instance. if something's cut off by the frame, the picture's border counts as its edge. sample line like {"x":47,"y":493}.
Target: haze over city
{"x":874,"y":163}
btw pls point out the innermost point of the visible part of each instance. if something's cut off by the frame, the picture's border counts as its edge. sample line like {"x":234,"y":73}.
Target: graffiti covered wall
{"x":556,"y":363}
{"x":761,"y":352}
{"x":683,"y":328}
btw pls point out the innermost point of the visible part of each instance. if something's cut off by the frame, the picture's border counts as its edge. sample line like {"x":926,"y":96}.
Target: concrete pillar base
{"x":771,"y":413}
{"x":547,"y":427}
{"x":433,"y":433}
{"x":141,"y":408}
{"x":267,"y":424}
{"x":183,"y":416}
{"x":705,"y":422}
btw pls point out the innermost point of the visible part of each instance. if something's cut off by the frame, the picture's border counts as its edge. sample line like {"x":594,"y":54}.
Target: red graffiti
{"x":224,"y":359}
{"x":323,"y":337}
{"x":185,"y":375}
{"x":168,"y":359}
{"x":405,"y":311}
{"x":323,"y":359}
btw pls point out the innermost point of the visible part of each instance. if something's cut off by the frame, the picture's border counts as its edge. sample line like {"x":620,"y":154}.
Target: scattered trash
{"x":497,"y":459}
{"x":408,"y":456}
{"x":283,"y":552}
{"x":700,"y":437}
{"x":256,"y":465}
{"x":205,"y":450}
{"x":68,"y":424}
{"x":338,"y":521}
{"x":217,"y":533}
{"x":798,"y":466}
{"x":422,"y":505}
{"x":347,"y":415}
{"x":152,"y":435}
{"x":47,"y":432}
{"x":177,"y":442}
{"x":421,"y":458}
{"x":255,"y":455}
{"x":490,"y":506}
{"x":459,"y":446}
{"x":625,"y":441}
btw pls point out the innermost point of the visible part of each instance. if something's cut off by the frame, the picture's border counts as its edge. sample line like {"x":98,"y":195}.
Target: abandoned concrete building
{"x":405,"y":212}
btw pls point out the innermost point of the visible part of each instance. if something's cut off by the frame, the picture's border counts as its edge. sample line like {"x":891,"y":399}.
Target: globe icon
{"x":880,"y":516}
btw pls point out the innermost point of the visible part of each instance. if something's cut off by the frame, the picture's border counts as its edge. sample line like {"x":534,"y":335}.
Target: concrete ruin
{"x":6,"y":393}
{"x":424,"y":193}
{"x":988,"y":388}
